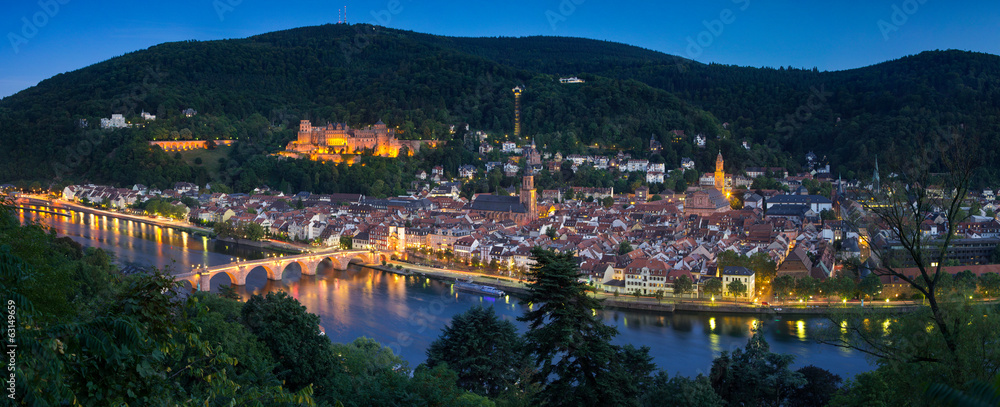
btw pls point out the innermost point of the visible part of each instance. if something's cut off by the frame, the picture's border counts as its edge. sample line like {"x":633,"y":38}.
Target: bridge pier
{"x":309,"y":268}
{"x":204,"y":282}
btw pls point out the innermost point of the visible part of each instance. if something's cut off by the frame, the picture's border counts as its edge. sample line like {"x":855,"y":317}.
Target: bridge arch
{"x":341,"y":261}
{"x":303,"y":268}
{"x":233,"y":280}
{"x":190,"y":283}
{"x":269,"y":271}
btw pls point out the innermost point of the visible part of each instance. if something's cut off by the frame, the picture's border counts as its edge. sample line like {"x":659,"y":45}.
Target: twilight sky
{"x":47,"y":37}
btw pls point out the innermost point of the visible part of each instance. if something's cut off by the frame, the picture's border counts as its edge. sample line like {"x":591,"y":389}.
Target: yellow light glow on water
{"x":885,"y":325}
{"x":843,"y":326}
{"x":800,"y":328}
{"x":711,"y":323}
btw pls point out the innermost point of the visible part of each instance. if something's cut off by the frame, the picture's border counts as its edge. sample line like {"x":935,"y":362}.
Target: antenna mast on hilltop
{"x":342,"y":15}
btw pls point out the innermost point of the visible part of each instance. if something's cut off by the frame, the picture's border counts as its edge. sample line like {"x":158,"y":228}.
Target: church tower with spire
{"x":876,"y":182}
{"x":528,"y":197}
{"x":720,"y":173}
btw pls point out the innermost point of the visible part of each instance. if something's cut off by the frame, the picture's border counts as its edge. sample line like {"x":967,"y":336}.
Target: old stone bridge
{"x":238,"y":271}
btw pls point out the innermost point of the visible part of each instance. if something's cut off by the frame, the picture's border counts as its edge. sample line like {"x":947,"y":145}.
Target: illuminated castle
{"x":339,"y":138}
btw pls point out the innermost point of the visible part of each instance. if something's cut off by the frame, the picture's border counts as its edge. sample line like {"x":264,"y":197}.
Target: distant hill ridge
{"x":360,"y":74}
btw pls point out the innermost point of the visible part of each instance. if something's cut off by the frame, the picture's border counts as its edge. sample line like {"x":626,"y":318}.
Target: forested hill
{"x":327,"y":73}
{"x":423,"y":83}
{"x":896,"y":104}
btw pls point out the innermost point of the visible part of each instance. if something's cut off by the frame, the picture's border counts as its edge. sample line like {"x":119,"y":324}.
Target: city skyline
{"x":46,"y":38}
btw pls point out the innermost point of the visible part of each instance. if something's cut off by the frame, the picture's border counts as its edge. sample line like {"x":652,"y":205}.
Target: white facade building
{"x":116,"y":121}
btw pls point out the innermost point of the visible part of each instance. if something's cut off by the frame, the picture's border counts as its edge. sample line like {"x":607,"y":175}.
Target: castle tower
{"x":528,"y":197}
{"x":305,"y":132}
{"x":517,"y":111}
{"x":720,"y":174}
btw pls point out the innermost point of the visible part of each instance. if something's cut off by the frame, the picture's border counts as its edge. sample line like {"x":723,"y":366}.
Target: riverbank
{"x":183,"y":226}
{"x":647,"y":304}
{"x":265,"y":245}
{"x":163,"y":223}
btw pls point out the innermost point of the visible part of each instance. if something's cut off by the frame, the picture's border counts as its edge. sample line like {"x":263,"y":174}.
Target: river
{"x":408,"y":313}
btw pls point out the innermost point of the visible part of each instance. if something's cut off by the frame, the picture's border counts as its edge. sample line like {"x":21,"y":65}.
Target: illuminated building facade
{"x":517,"y":111}
{"x":339,"y":138}
{"x":720,"y":175}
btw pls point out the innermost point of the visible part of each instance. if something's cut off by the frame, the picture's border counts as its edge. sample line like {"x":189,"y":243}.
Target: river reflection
{"x":137,"y":242}
{"x":408,"y":313}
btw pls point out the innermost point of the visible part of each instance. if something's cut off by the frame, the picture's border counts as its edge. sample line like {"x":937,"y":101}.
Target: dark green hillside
{"x":898,"y":104}
{"x":320,"y":73}
{"x":256,"y":89}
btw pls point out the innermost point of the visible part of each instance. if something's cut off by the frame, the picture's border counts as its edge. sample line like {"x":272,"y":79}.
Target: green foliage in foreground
{"x":91,"y":336}
{"x":485,"y":351}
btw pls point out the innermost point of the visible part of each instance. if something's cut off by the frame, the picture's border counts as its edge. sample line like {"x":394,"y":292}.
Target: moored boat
{"x":479,"y":289}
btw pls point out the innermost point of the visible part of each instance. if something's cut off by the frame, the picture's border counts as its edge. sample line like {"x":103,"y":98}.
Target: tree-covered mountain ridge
{"x":325,"y":74}
{"x":423,"y":83}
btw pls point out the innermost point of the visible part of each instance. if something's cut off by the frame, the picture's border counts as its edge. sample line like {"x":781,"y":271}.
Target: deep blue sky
{"x":829,"y":35}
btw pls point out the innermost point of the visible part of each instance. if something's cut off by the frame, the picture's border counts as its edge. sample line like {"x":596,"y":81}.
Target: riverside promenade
{"x":668,"y":304}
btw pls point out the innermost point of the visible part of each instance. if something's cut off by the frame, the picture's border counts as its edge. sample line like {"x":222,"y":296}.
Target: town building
{"x":816,"y":203}
{"x":742,"y":274}
{"x":705,"y":202}
{"x":520,"y":209}
{"x":117,"y":121}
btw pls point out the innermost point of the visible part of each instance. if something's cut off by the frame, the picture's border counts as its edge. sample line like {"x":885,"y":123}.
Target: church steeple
{"x":720,"y":173}
{"x":529,"y":197}
{"x":876,"y":182}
